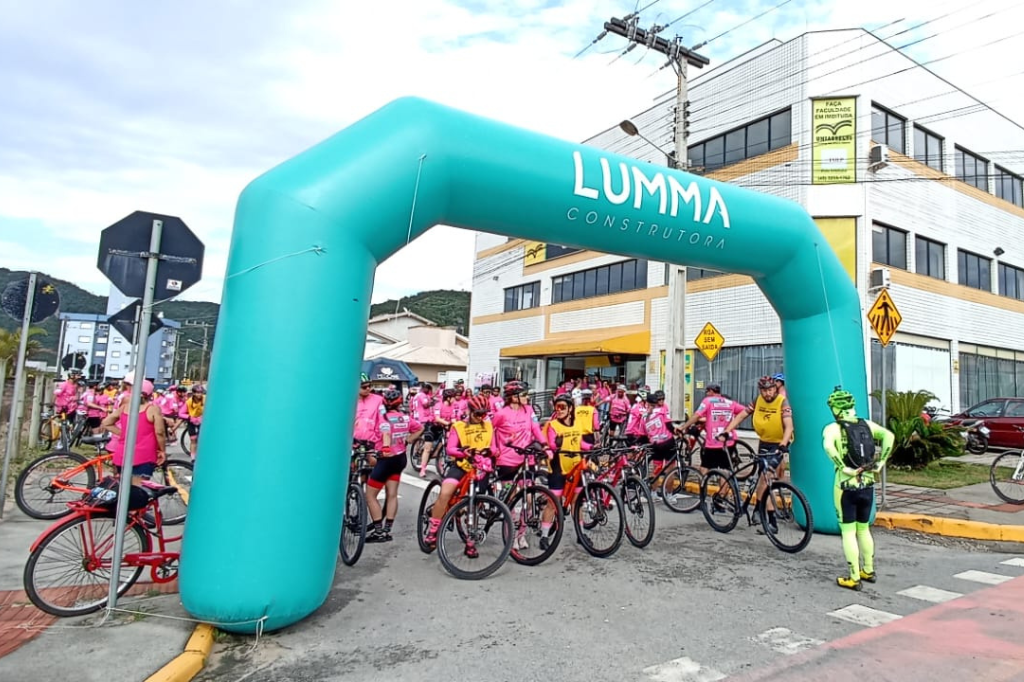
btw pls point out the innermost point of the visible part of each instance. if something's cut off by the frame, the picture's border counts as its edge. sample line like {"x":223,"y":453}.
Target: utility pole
{"x":204,"y":361}
{"x":679,"y":58}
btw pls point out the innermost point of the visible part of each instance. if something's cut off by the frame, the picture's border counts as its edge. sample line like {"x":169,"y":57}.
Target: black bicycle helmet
{"x":563,"y":398}
{"x":392,"y":398}
{"x":448,"y":393}
{"x":766,"y":382}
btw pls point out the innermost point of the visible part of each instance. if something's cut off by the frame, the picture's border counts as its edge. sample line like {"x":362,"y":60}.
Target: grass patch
{"x":942,"y":474}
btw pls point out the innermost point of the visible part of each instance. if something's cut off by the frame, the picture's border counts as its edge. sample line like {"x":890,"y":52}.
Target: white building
{"x":108,"y":354}
{"x":922,"y":189}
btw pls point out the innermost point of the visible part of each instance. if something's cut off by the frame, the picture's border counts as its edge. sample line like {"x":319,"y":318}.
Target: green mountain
{"x":446,"y":307}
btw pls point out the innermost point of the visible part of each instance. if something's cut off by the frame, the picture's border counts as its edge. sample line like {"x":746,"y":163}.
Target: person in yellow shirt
{"x":195,"y":404}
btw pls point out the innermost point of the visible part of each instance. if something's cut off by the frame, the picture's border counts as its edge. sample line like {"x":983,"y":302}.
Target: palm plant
{"x":10,"y":341}
{"x":917,"y":443}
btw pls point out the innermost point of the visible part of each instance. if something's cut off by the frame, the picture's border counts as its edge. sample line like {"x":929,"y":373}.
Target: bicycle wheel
{"x":430,"y":495}
{"x":416,"y":456}
{"x":35,"y":494}
{"x":49,"y":431}
{"x":720,"y":500}
{"x":68,"y":574}
{"x":176,"y":472}
{"x":638,"y":508}
{"x":744,"y":456}
{"x":680,"y":491}
{"x":353,"y":525}
{"x":598,"y":518}
{"x":793,"y":524}
{"x":532,"y":546}
{"x":486,"y":526}
{"x":185,"y":441}
{"x":1007,"y":477}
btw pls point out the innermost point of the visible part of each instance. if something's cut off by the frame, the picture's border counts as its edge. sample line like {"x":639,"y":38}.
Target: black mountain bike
{"x":353,"y":524}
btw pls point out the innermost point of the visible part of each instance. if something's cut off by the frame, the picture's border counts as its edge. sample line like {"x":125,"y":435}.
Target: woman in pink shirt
{"x":150,"y":445}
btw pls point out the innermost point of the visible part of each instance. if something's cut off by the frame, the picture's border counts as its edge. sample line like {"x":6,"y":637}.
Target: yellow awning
{"x":638,"y":343}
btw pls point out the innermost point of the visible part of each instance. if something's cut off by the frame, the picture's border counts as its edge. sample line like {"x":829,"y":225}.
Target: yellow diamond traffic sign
{"x":709,"y":341}
{"x":884,"y":317}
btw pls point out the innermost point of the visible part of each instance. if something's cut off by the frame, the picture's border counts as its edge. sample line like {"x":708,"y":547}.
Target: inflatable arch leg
{"x":262,"y":533}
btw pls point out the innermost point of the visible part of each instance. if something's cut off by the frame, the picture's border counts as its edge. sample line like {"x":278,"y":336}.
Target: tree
{"x":9,"y":344}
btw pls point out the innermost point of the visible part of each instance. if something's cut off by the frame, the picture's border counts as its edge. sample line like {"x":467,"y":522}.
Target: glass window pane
{"x":602,"y":281}
{"x":984,"y":274}
{"x":897,"y":249}
{"x":935,"y":152}
{"x":509,"y":300}
{"x":757,"y":138}
{"x":528,"y":296}
{"x":896,"y":140}
{"x":577,"y":286}
{"x":921,"y":255}
{"x":641,"y":274}
{"x":879,"y":252}
{"x":696,"y":155}
{"x":615,"y":278}
{"x":714,"y":153}
{"x":735,"y":146}
{"x":781,"y":129}
{"x":959,"y":164}
{"x":877,"y":125}
{"x":920,"y":145}
{"x":937,"y":261}
{"x":629,"y":275}
{"x":590,"y":283}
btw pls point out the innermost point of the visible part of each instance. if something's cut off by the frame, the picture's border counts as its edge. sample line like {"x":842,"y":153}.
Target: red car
{"x":1001,"y":415}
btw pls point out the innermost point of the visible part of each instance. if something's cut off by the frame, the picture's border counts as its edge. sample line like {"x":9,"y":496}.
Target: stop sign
{"x":120,"y":259}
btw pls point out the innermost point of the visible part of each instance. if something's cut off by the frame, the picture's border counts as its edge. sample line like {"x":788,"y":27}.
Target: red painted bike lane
{"x":979,"y":636}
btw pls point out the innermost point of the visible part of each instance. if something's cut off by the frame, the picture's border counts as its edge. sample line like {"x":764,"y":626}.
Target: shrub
{"x":917,"y":443}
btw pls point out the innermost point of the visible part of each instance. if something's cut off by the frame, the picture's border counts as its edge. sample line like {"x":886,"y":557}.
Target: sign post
{"x":124,"y":247}
{"x":884,"y":319}
{"x":709,"y":342}
{"x":30,"y":302}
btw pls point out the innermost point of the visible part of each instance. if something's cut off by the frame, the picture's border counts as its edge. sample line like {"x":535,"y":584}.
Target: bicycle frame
{"x":749,"y":498}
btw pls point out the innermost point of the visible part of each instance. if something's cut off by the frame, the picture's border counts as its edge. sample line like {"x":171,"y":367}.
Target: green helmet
{"x":840,"y":400}
{"x":364,"y":378}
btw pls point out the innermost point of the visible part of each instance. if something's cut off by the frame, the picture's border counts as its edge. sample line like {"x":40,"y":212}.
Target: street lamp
{"x":630,"y":129}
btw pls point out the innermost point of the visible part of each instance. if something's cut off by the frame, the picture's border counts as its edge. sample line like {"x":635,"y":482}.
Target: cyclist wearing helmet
{"x":635,"y":432}
{"x":657,"y":426}
{"x":65,"y":396}
{"x":470,"y":443}
{"x":586,"y":415}
{"x":394,"y":432}
{"x":780,"y":383}
{"x":773,"y":423}
{"x":150,"y":443}
{"x":94,"y":412}
{"x":195,"y":406}
{"x":850,"y":444}
{"x":494,"y":401}
{"x":422,"y":405}
{"x":369,"y":411}
{"x":444,"y":414}
{"x":564,"y":439}
{"x":717,"y":411}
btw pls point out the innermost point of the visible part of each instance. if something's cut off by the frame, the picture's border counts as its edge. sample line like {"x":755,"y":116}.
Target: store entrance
{"x":615,"y":369}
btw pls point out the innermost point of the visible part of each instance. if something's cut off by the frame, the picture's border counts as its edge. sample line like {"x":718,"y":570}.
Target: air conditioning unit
{"x":878,"y":157}
{"x":879,"y":279}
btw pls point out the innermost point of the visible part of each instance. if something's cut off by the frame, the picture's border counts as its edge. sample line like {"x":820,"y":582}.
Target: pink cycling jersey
{"x":369,"y":412}
{"x":399,"y":425}
{"x":496,"y":404}
{"x":423,"y":407}
{"x":514,"y":424}
{"x":635,"y":426}
{"x":65,"y":396}
{"x":657,"y":425}
{"x":445,"y":411}
{"x":91,"y":397}
{"x":618,"y":409}
{"x":718,"y":412}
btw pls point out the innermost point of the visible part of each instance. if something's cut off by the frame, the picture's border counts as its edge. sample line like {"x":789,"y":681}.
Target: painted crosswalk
{"x":682,"y":669}
{"x":858,"y":614}
{"x":785,"y":641}
{"x":929,"y":594}
{"x":1016,"y":561}
{"x":983,"y":577}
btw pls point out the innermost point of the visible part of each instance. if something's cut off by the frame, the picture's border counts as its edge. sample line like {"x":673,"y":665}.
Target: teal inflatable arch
{"x":261,"y":541}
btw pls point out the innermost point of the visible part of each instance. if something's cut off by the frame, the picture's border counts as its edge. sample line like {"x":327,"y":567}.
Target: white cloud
{"x":106,"y":123}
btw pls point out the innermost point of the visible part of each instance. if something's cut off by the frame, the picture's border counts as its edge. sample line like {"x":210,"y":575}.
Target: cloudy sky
{"x":109,"y":106}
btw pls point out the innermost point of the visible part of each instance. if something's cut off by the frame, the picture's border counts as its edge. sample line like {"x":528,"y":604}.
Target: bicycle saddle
{"x":98,"y":439}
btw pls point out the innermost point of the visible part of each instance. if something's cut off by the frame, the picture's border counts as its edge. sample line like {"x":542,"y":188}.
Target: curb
{"x":188,"y":663}
{"x":957,"y":528}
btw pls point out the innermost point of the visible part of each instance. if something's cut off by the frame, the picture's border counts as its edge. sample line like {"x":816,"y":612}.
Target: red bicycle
{"x":70,"y":564}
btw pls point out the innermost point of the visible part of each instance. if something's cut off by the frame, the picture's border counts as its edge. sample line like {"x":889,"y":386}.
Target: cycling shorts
{"x":773,"y":461}
{"x":387,"y":469}
{"x":93,"y":422}
{"x":454,"y":473}
{"x":855,"y":505}
{"x":663,"y":451}
{"x":433,"y":432}
{"x":717,"y":458}
{"x":192,"y":428}
{"x":506,"y":473}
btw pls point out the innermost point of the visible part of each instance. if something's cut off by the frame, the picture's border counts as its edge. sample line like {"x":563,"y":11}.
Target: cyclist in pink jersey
{"x":395,"y":431}
{"x":444,"y":413}
{"x":513,"y":424}
{"x":717,"y":412}
{"x":618,"y":411}
{"x":65,"y":396}
{"x":369,"y":411}
{"x":422,"y":409}
{"x":150,"y":445}
{"x":94,"y":412}
{"x":635,"y":432}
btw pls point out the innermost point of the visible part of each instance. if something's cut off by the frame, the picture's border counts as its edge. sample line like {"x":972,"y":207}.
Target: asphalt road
{"x":695,"y":606}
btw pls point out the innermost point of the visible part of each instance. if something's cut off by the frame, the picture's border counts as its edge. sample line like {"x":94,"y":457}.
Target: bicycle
{"x":1012,"y":462}
{"x":528,"y":499}
{"x":46,"y":485}
{"x":741,"y":453}
{"x":468,"y":522}
{"x":723,"y":504}
{"x":591,"y":503}
{"x":69,"y":568}
{"x":623,"y":474}
{"x":680,"y":485}
{"x":353,"y":524}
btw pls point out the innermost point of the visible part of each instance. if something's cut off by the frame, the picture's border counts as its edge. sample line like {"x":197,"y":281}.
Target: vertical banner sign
{"x":834,"y":140}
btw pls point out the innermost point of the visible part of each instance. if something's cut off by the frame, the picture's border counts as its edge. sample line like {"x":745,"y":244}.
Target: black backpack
{"x":860,"y":444}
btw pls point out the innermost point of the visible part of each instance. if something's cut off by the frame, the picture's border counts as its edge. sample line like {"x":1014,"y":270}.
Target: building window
{"x":115,"y":354}
{"x":889,"y":246}
{"x":753,"y":139}
{"x":927,"y":148}
{"x":889,"y":129}
{"x":607,"y":279}
{"x":84,"y":339}
{"x":701,"y":273}
{"x":931,"y":258}
{"x":1011,"y":281}
{"x":99,"y":353}
{"x":85,"y":325}
{"x":1008,"y":187}
{"x":114,"y":368}
{"x":517,"y":298}
{"x":972,"y":169}
{"x":974,"y":270}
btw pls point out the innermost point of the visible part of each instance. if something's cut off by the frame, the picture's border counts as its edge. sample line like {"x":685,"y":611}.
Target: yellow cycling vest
{"x":572,"y":443}
{"x":585,"y":418}
{"x":474,"y":436}
{"x":768,"y":419}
